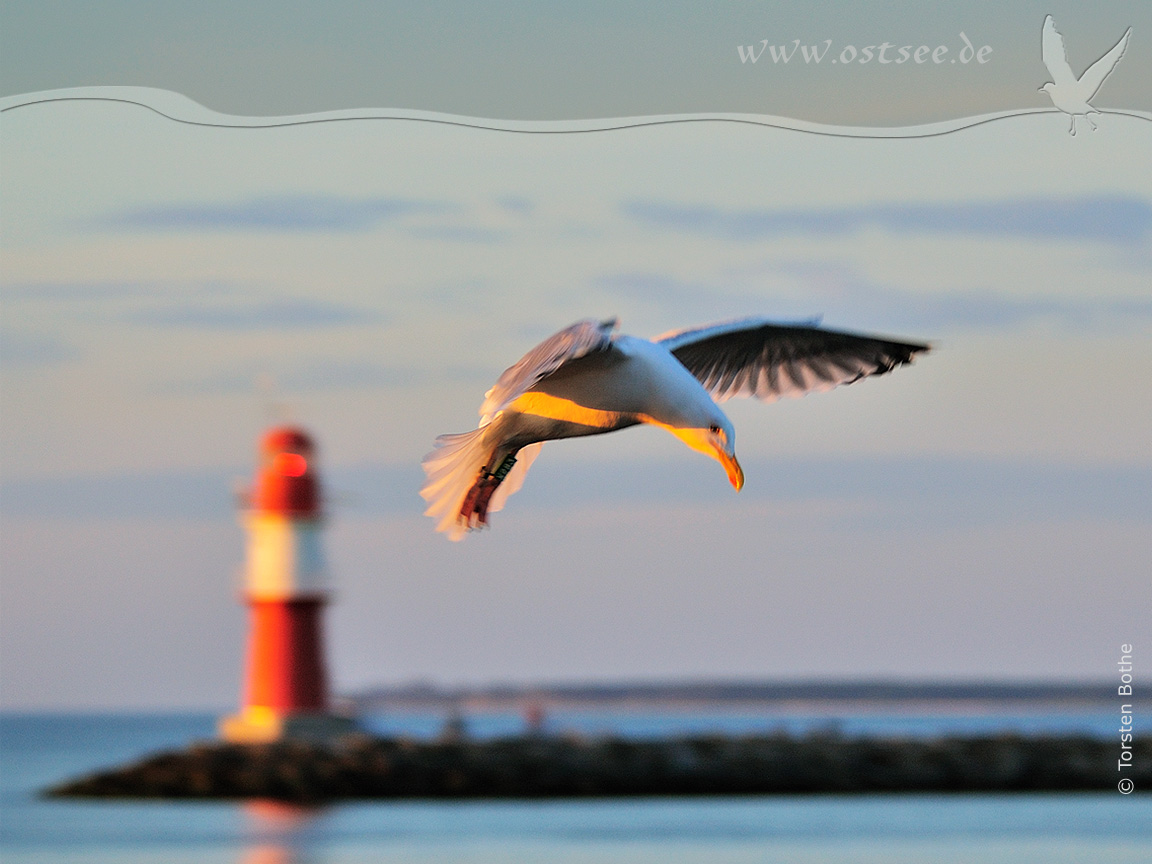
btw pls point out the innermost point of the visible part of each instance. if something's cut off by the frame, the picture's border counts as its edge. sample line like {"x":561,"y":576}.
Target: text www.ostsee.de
{"x":885,"y":53}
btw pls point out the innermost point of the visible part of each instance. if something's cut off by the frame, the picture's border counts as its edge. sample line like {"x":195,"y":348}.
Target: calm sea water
{"x":38,"y":750}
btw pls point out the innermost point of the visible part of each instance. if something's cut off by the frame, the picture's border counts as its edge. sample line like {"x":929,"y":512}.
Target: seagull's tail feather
{"x":459,"y":491}
{"x":451,"y":470}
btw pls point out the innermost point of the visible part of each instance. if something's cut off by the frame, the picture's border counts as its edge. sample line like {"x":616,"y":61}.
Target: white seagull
{"x":1069,"y":94}
{"x":587,"y":379}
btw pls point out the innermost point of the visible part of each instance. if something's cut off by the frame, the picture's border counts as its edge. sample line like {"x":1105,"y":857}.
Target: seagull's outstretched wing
{"x":1055,"y":56}
{"x":1091,"y":80}
{"x":754,"y":357}
{"x":581,"y":338}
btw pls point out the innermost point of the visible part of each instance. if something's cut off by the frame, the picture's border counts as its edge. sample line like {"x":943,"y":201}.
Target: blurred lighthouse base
{"x":286,"y":686}
{"x":259,"y":725}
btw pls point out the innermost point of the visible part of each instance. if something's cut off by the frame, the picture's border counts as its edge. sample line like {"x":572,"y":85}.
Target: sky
{"x":170,"y":290}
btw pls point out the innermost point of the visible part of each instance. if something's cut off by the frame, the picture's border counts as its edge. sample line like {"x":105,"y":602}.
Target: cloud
{"x":457,"y":233}
{"x":307,"y":375}
{"x":210,"y":493}
{"x":283,"y":213}
{"x":841,"y":297}
{"x":517,"y":204}
{"x":290,"y":314}
{"x":981,"y":310}
{"x":656,"y":287}
{"x":314,"y":213}
{"x":72,"y":292}
{"x":1104,"y":218}
{"x":29,"y":351}
{"x":923,"y":491}
{"x":284,"y":376}
{"x":160,"y":494}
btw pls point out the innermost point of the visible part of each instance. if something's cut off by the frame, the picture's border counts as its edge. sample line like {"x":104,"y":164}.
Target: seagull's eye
{"x":715,"y":430}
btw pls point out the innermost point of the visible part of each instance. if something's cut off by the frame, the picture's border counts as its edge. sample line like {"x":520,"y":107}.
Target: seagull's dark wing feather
{"x":754,"y":357}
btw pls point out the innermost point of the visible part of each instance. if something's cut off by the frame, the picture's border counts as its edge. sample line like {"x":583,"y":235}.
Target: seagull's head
{"x":1047,"y":88}
{"x":718,"y":440}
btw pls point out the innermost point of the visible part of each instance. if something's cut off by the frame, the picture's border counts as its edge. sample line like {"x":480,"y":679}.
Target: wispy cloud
{"x":840,"y":295}
{"x":1104,"y":218}
{"x":987,"y":310}
{"x":457,"y":233}
{"x":925,"y":491}
{"x":71,"y":292}
{"x":29,"y":351}
{"x":283,"y":213}
{"x":209,"y":493}
{"x":290,"y":314}
{"x":301,"y":376}
{"x":517,"y":204}
{"x":185,"y":494}
{"x":282,"y":376}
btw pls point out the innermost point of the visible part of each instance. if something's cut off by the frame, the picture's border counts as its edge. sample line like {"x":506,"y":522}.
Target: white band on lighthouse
{"x":285,"y":557}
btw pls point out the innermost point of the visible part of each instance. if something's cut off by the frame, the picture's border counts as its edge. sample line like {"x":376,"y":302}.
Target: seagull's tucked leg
{"x":471,"y":474}
{"x":453,"y":469}
{"x":475,"y":504}
{"x":1088,"y":117}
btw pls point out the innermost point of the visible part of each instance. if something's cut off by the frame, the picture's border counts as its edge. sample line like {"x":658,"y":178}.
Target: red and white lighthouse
{"x":286,"y":588}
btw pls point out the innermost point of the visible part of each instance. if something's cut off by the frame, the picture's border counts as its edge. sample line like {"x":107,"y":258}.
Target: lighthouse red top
{"x":286,"y":480}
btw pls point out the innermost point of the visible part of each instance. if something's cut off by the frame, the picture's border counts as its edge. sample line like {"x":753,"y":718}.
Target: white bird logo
{"x":1070,"y":94}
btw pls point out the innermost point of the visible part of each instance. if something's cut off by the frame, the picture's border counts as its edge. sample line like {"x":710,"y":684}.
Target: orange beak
{"x":735,"y":472}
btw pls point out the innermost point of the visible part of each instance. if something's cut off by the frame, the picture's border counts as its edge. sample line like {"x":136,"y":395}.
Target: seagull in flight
{"x":588,"y":379}
{"x":1070,"y":94}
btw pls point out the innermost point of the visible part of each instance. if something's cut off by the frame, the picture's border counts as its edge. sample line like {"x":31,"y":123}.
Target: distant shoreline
{"x":750,"y":695}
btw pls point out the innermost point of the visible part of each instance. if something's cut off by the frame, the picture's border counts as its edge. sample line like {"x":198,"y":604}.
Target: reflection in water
{"x":281,"y":833}
{"x":269,"y":855}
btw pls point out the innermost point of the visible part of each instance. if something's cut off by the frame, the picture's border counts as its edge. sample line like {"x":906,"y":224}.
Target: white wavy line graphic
{"x":181,"y":109}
